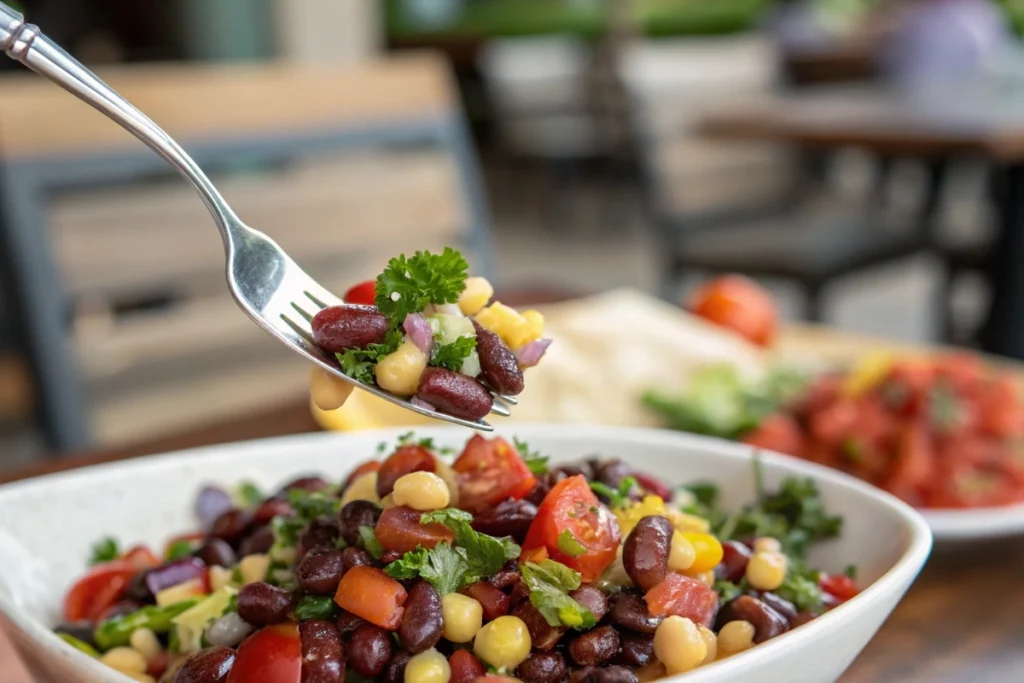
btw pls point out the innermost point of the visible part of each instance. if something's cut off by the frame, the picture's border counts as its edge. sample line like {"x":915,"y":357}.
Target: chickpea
{"x":463,"y":617}
{"x":125,"y":659}
{"x":766,"y":571}
{"x":327,"y":391}
{"x":711,"y":641}
{"x":681,"y":554}
{"x":429,"y":666}
{"x":734,"y":637}
{"x":363,"y":488}
{"x":679,"y":645}
{"x":145,"y":642}
{"x":399,"y":372}
{"x":421,"y":491}
{"x":503,"y":643}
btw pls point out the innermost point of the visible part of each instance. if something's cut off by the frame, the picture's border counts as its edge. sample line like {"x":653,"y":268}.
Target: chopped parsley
{"x":617,"y":497}
{"x":410,"y":284}
{"x":315,"y":607}
{"x":179,"y":550}
{"x":249,"y":494}
{"x":358,"y":363}
{"x":801,"y":588}
{"x":104,"y":550}
{"x":485,"y":555}
{"x":370,"y":543}
{"x":851,"y":571}
{"x":549,"y":583}
{"x":451,"y":356}
{"x":569,"y":544}
{"x":534,"y":461}
{"x":443,"y":566}
{"x":727,"y":590}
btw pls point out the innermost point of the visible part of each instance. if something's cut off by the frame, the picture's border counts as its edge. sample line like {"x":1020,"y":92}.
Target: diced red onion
{"x":420,"y":403}
{"x":531,"y":353}
{"x":211,"y":503}
{"x":228,"y":631}
{"x":418,"y":329}
{"x":173,"y":573}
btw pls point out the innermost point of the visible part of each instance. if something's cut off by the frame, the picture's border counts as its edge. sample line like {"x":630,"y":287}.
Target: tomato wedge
{"x":839,"y":585}
{"x":363,"y":293}
{"x":571,"y":506}
{"x":92,"y":594}
{"x":271,"y":655}
{"x":490,"y":471}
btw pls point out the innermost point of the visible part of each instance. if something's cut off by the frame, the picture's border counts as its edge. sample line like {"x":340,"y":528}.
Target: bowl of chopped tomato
{"x":577,"y":553}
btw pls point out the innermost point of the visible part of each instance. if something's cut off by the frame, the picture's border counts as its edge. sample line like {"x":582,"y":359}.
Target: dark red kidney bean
{"x":137,"y":589}
{"x":606,"y":674}
{"x":422,"y":621}
{"x":454,"y":394}
{"x":211,"y":503}
{"x":231,"y":526}
{"x":781,"y":605}
{"x":119,"y":609}
{"x":258,"y":542}
{"x":507,"y":518}
{"x":592,"y":598}
{"x":389,"y":556}
{"x":507,"y":577}
{"x":645,"y":552}
{"x":338,"y":328}
{"x":320,"y":573}
{"x":495,"y":603}
{"x":802,"y":618}
{"x":261,"y":604}
{"x":637,"y":649}
{"x":323,"y":655}
{"x":270,"y":508}
{"x":215,"y":552}
{"x":612,"y":472}
{"x":628,"y":610}
{"x":355,"y":557}
{"x":499,"y":368}
{"x":356,"y":514}
{"x":321,"y":533}
{"x":369,"y":649}
{"x":544,"y":484}
{"x":543,"y":635}
{"x":207,"y":666}
{"x":311,"y":484}
{"x":542,"y":667}
{"x":596,"y":646}
{"x":767,"y":622}
{"x":735,"y":557}
{"x":585,"y":467}
{"x":173,"y":573}
{"x":652,"y":485}
{"x":347,"y":622}
{"x":403,"y":461}
{"x":395,"y":671}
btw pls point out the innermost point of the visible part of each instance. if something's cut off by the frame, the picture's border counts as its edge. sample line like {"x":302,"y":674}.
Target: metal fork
{"x":265,"y":282}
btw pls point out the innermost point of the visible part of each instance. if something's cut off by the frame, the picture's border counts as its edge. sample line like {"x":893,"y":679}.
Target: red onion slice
{"x":419,"y":332}
{"x":530,"y":354}
{"x":420,"y":403}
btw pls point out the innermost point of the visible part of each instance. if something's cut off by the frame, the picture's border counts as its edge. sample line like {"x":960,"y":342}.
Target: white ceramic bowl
{"x":48,"y":524}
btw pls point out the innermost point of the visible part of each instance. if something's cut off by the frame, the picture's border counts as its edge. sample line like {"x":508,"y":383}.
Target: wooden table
{"x":960,"y":622}
{"x":983,"y":120}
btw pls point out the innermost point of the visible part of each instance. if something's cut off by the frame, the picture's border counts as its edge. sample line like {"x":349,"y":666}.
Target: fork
{"x":265,"y":282}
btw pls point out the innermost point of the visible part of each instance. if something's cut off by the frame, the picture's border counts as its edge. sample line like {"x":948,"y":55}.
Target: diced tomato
{"x":572,"y":506}
{"x":914,"y":468}
{"x":490,"y":471}
{"x":739,"y":304}
{"x":92,"y":594}
{"x":363,"y":293}
{"x":684,"y":597}
{"x":839,"y":585}
{"x":365,"y":468}
{"x":1000,"y":412}
{"x":778,"y":432}
{"x":271,"y":655}
{"x":834,"y":423}
{"x":907,"y":387}
{"x":371,"y":594}
{"x":399,"y":529}
{"x":494,"y":602}
{"x":405,"y":460}
{"x":465,"y":667}
{"x":142,"y":557}
{"x":963,"y":371}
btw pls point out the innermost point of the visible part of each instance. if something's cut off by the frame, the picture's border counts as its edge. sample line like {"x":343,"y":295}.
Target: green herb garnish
{"x":79,"y":645}
{"x":358,"y":363}
{"x":617,"y":497}
{"x":534,"y":461}
{"x":249,"y":494}
{"x":315,"y":607}
{"x":117,"y":631}
{"x":443,"y":566}
{"x":569,"y":544}
{"x":451,"y":356}
{"x":104,"y":550}
{"x":549,"y":583}
{"x":410,"y":284}
{"x":179,"y":550}
{"x":801,"y":588}
{"x":727,"y":590}
{"x":370,"y":542}
{"x":485,"y":555}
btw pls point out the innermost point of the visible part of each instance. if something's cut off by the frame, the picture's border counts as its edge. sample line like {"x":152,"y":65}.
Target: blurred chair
{"x":117,"y":268}
{"x":736,"y":206}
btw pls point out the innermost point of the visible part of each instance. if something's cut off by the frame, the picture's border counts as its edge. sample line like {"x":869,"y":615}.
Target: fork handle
{"x":25,"y":43}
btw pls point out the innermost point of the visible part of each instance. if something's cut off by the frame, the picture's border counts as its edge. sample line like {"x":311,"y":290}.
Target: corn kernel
{"x":124,"y":659}
{"x":708,"y":549}
{"x":711,"y":642}
{"x":681,"y":554}
{"x":145,"y":642}
{"x":475,"y":296}
{"x":327,"y":391}
{"x":766,"y":571}
{"x":734,"y":637}
{"x":429,"y":666}
{"x":363,"y":488}
{"x":399,"y":372}
{"x":707,"y":578}
{"x":253,"y":568}
{"x":679,"y":645}
{"x":179,"y":593}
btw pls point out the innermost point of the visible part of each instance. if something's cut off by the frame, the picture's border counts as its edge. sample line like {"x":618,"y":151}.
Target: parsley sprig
{"x":537,"y":463}
{"x":105,"y":550}
{"x":358,"y":363}
{"x":549,"y":583}
{"x":617,"y":497}
{"x":410,"y":284}
{"x":451,"y":356}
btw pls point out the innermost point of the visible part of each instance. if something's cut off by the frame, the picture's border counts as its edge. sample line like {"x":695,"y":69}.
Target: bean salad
{"x":428,"y":566}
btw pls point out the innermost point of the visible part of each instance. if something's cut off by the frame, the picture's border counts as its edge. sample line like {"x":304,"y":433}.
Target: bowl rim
{"x":896,"y":579}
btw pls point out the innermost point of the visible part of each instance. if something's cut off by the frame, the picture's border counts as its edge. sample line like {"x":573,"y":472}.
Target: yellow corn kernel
{"x":463,"y":617}
{"x":767,"y":545}
{"x":124,"y":659}
{"x":363,"y":488}
{"x":708,"y":550}
{"x":735,"y":636}
{"x":766,"y":571}
{"x":654,"y":505}
{"x":327,"y":391}
{"x":711,"y":642}
{"x":179,"y":593}
{"x":421,"y":491}
{"x":399,"y":372}
{"x":503,"y":643}
{"x":681,"y":554}
{"x":253,"y":568}
{"x":679,"y":645}
{"x":429,"y":666}
{"x":475,"y":296}
{"x":530,"y":329}
{"x":145,"y":642}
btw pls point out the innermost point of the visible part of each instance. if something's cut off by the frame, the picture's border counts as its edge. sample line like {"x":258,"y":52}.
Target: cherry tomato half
{"x":739,"y":304}
{"x":838,"y":585}
{"x":363,"y":293}
{"x":271,"y":655}
{"x":490,"y":471}
{"x":92,"y":594}
{"x":572,"y":506}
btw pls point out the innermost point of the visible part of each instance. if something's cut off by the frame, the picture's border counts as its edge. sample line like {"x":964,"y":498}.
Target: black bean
{"x":320,"y":573}
{"x":543,"y":667}
{"x":607,"y":674}
{"x":395,"y":671}
{"x":321,"y":533}
{"x":338,"y":328}
{"x":215,"y":552}
{"x":348,"y":622}
{"x":261,"y":604}
{"x":354,"y":515}
{"x":231,"y":526}
{"x":735,"y":557}
{"x":270,"y":508}
{"x":766,"y":621}
{"x":637,"y":649}
{"x":355,"y":557}
{"x":646,"y":550}
{"x":499,"y":368}
{"x":423,"y":620}
{"x":454,"y":394}
{"x":592,"y":598}
{"x":628,"y":610}
{"x":543,"y":635}
{"x":507,"y":577}
{"x":323,"y":655}
{"x":258,"y":542}
{"x":207,"y":666}
{"x":596,"y":646}
{"x":545,"y":483}
{"x":508,"y":518}
{"x":369,"y":649}
{"x":802,"y":618}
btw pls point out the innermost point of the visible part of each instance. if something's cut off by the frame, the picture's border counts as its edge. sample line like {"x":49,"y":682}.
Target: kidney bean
{"x":606,"y":674}
{"x":637,"y":649}
{"x":355,"y":557}
{"x":495,"y":603}
{"x":629,"y":610}
{"x":215,"y":552}
{"x":612,"y":472}
{"x":454,"y":394}
{"x":173,"y":573}
{"x":261,"y":604}
{"x":270,"y":508}
{"x":735,"y":557}
{"x":311,"y":484}
{"x":802,"y":618}
{"x":592,"y":598}
{"x":545,"y":483}
{"x":422,"y":621}
{"x":320,"y":573}
{"x":585,"y":467}
{"x":595,"y":646}
{"x":338,"y":328}
{"x":543,"y":667}
{"x":321,"y":533}
{"x":211,"y":503}
{"x":507,"y":577}
{"x":645,"y":552}
{"x":356,"y":514}
{"x":348,"y":622}
{"x":211,"y":665}
{"x":258,"y":542}
{"x":369,"y":649}
{"x":766,"y":621}
{"x":323,"y":655}
{"x":499,"y":368}
{"x":137,"y":589}
{"x":231,"y":526}
{"x":507,"y":518}
{"x":118,"y":609}
{"x":782,"y":606}
{"x":543,"y":635}
{"x":395,"y":671}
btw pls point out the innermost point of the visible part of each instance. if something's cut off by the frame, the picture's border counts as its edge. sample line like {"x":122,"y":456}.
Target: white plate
{"x":48,"y":524}
{"x":979,"y":524}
